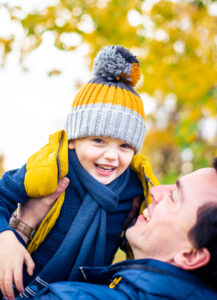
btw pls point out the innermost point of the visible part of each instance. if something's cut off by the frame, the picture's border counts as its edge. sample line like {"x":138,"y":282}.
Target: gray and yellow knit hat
{"x":108,"y":104}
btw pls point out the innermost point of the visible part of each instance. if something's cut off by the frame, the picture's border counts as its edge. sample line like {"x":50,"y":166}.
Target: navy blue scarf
{"x":87,"y":232}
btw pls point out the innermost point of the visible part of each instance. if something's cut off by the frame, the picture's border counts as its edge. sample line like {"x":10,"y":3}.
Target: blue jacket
{"x":134,"y":279}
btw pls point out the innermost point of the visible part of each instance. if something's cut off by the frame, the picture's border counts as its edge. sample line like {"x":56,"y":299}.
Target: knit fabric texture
{"x":108,"y":104}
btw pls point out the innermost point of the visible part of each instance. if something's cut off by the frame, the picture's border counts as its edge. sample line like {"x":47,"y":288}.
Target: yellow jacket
{"x":49,"y":164}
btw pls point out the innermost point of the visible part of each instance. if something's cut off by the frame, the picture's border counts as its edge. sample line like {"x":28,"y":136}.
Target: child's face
{"x":104,"y":158}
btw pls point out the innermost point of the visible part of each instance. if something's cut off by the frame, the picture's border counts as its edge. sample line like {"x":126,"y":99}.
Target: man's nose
{"x":160,"y":191}
{"x":156,"y":194}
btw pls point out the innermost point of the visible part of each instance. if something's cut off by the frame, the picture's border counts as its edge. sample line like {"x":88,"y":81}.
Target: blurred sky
{"x":34,"y":105}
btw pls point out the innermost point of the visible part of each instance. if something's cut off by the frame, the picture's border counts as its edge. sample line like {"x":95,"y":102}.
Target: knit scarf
{"x":87,"y":231}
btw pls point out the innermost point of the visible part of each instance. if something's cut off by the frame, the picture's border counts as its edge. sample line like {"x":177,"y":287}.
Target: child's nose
{"x":110,"y":154}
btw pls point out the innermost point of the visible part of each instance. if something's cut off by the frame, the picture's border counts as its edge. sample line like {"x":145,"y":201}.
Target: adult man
{"x":174,"y":246}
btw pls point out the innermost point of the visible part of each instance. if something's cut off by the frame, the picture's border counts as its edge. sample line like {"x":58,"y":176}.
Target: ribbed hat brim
{"x":108,"y":120}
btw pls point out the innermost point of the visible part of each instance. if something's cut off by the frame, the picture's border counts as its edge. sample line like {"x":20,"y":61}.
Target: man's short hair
{"x":204,"y":235}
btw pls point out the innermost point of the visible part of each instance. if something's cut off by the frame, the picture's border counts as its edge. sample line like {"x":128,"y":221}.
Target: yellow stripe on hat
{"x":99,"y":93}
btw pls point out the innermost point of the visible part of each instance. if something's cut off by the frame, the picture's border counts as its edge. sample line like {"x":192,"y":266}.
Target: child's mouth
{"x":105,"y":168}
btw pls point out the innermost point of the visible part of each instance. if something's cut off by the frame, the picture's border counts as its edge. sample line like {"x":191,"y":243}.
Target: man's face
{"x":163,"y":232}
{"x":104,"y":158}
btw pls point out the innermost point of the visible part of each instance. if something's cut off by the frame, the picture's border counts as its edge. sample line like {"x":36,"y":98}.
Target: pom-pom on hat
{"x":108,"y":104}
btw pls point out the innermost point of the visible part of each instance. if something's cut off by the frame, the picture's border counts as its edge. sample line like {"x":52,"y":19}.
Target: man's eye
{"x":171,"y":197}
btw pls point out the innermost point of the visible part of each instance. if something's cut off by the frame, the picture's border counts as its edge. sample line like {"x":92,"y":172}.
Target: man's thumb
{"x":61,"y":187}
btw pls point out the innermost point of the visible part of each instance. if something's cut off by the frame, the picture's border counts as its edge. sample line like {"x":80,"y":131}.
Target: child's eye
{"x":126,"y":146}
{"x":98,"y":141}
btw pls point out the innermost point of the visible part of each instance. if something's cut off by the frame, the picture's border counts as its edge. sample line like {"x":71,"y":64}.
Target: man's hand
{"x":12,"y":257}
{"x":34,"y":210}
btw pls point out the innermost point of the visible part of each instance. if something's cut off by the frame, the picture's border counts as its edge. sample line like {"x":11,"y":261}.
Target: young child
{"x":104,"y":130}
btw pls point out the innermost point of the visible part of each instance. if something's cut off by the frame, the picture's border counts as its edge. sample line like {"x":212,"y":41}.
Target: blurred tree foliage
{"x":176,"y":44}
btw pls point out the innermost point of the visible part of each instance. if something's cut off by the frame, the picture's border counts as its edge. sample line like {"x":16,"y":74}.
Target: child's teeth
{"x":105,"y":167}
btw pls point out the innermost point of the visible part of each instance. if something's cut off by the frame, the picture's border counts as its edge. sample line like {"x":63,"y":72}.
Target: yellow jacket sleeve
{"x":47,"y":166}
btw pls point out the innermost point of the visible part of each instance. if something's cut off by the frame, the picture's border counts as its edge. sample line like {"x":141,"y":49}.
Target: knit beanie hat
{"x":108,"y":104}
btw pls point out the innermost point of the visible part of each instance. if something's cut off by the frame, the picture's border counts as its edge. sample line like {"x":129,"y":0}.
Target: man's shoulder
{"x":150,"y":277}
{"x":138,"y":279}
{"x":158,"y":278}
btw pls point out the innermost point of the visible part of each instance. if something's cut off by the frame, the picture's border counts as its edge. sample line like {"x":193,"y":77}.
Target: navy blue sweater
{"x":12,"y":191}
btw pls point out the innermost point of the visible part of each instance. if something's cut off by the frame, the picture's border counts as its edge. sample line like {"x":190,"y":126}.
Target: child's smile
{"x":104,"y":169}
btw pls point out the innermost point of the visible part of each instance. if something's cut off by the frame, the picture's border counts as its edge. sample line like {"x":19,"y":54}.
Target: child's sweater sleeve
{"x":12,"y":192}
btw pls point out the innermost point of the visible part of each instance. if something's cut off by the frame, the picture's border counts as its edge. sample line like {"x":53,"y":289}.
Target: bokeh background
{"x":47,"y":50}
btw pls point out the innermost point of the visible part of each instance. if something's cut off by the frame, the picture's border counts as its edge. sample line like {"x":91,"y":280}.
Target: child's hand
{"x":12,"y":257}
{"x":34,"y":210}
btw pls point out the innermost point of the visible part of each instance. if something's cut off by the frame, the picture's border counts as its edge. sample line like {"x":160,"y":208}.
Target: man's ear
{"x":192,"y":259}
{"x":71,"y":144}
